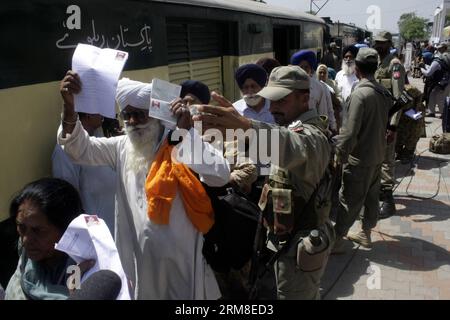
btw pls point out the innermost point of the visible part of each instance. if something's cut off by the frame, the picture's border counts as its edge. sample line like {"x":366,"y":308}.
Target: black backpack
{"x":441,"y":77}
{"x":229,"y":243}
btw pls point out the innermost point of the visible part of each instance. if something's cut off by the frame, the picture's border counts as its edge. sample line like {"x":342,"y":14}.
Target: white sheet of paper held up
{"x":99,"y":71}
{"x":163,"y":93}
{"x":88,"y":237}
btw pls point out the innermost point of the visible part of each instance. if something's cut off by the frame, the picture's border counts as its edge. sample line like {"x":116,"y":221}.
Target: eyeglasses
{"x":138,"y":115}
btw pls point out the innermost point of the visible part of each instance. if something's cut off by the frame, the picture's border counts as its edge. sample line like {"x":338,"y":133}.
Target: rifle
{"x":258,"y":246}
{"x":400,"y":103}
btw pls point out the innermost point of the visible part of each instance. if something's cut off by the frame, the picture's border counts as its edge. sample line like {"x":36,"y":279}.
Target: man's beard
{"x":142,"y":143}
{"x":348,"y":69}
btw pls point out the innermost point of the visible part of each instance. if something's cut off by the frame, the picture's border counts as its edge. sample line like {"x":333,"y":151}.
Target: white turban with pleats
{"x":133,"y":93}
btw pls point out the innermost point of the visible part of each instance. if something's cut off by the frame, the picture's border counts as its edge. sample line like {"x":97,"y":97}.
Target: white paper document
{"x":88,"y":237}
{"x":99,"y":71}
{"x":163,"y":93}
{"x":413,"y":114}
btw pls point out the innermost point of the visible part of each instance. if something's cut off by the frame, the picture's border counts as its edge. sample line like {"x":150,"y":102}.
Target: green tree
{"x":412,"y":27}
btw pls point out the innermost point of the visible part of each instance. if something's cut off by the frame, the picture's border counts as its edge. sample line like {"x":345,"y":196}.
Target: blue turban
{"x":331,"y":73}
{"x":196,"y":88}
{"x":307,"y":55}
{"x":251,"y":71}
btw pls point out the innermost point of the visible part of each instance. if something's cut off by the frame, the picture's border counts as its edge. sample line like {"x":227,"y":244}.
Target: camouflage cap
{"x":367,"y":55}
{"x":383,"y":36}
{"x":283,"y":80}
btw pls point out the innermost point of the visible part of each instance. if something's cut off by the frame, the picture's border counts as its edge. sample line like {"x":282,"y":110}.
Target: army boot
{"x":362,"y":237}
{"x":388,"y":207}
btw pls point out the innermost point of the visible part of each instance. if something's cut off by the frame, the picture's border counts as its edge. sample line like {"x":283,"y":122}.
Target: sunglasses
{"x":138,"y":115}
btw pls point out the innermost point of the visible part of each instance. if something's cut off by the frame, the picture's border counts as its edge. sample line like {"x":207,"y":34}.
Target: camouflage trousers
{"x":409,"y":132}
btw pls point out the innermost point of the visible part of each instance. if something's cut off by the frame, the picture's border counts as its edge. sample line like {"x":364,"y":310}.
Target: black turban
{"x":251,"y":71}
{"x":196,"y":88}
{"x":354,"y":50}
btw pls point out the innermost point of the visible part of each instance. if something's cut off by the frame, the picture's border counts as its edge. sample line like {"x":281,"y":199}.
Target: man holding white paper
{"x":159,"y":238}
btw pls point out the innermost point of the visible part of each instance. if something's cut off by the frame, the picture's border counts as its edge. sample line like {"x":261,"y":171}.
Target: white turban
{"x":133,"y":93}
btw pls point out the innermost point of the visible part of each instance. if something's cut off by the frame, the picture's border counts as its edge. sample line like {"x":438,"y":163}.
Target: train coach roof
{"x":251,"y":7}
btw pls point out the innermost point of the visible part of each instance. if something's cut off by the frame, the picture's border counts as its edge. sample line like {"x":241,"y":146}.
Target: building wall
{"x":441,"y":20}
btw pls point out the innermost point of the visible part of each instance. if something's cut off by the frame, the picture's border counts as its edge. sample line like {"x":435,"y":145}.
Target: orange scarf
{"x":161,"y":186}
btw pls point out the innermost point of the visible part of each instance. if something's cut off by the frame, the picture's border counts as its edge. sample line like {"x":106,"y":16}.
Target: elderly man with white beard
{"x":346,"y":78}
{"x":161,"y":211}
{"x":320,"y":95}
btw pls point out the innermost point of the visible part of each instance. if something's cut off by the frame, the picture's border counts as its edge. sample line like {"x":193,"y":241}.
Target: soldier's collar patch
{"x":296,"y":126}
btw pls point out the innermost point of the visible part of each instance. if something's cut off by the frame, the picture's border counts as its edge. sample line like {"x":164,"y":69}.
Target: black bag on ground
{"x":229,"y":243}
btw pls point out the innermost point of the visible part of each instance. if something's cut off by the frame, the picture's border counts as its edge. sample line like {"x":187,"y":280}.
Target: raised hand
{"x":221,"y":117}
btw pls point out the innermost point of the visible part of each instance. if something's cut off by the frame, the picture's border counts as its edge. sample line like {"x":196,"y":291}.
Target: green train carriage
{"x":204,"y":40}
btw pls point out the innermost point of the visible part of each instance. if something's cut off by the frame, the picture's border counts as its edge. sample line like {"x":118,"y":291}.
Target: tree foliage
{"x":412,"y":27}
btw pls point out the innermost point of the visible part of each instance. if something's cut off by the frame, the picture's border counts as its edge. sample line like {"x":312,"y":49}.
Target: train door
{"x":286,"y":40}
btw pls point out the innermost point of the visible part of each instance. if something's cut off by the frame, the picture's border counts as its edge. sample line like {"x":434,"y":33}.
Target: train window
{"x":188,"y":41}
{"x":312,"y":36}
{"x":194,"y":52}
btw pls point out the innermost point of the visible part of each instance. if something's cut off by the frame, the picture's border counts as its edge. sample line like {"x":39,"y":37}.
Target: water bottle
{"x":314,"y":242}
{"x":311,"y":252}
{"x":314,"y":237}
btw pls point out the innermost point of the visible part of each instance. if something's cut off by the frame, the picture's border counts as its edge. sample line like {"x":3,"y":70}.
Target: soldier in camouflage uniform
{"x":390,"y":74}
{"x":295,"y":199}
{"x":409,"y":130}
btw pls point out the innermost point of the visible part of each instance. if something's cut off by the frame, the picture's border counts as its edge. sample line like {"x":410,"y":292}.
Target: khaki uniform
{"x":409,"y":130}
{"x":360,"y":147}
{"x":395,"y":83}
{"x":304,"y":154}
